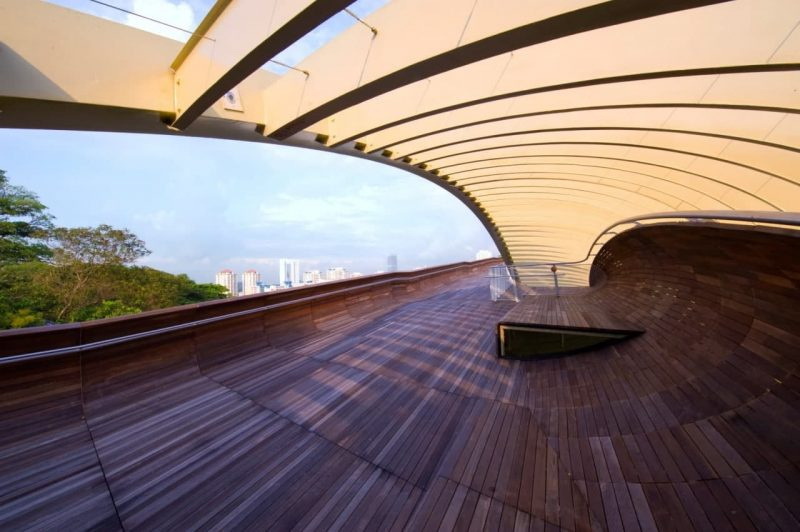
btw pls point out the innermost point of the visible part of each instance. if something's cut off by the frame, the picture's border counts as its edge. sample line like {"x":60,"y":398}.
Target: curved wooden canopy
{"x":550,"y":120}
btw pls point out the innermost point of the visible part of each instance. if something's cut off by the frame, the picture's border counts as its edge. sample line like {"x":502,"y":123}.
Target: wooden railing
{"x":316,"y":301}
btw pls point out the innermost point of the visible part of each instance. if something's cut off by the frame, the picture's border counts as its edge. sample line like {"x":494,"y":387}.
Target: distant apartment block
{"x":312,"y":277}
{"x":336,"y":274}
{"x":251,"y":281}
{"x":391,"y":263}
{"x":227,"y":279}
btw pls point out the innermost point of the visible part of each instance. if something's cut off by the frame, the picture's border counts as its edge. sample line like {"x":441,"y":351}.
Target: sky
{"x":202,"y":205}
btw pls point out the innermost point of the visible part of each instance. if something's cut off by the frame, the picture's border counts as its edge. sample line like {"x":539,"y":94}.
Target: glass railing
{"x":503,"y":285}
{"x":510,"y":283}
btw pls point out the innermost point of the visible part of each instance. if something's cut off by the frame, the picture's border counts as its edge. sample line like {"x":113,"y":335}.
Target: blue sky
{"x":202,"y":205}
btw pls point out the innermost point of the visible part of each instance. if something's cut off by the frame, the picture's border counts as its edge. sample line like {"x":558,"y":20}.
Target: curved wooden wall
{"x":695,"y":425}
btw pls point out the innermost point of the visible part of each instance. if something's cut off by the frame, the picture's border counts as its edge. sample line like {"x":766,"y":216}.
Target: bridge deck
{"x":406,"y":419}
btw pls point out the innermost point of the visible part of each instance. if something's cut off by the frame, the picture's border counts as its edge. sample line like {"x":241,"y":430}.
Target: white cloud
{"x":355,"y":215}
{"x":178,"y":14}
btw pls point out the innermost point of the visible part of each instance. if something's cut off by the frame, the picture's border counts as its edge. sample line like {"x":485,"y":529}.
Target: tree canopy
{"x":95,"y":246}
{"x":24,"y":224}
{"x":54,"y":274}
{"x":82,"y":256}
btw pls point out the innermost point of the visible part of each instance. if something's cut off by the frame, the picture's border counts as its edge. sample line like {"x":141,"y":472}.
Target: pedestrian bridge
{"x":654,"y":146}
{"x":551,"y":121}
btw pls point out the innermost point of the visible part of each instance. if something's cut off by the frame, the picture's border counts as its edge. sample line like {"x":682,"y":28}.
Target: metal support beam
{"x":236,"y":38}
{"x":601,"y":15}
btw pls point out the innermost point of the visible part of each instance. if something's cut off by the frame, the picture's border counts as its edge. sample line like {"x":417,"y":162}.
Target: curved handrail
{"x":63,"y":351}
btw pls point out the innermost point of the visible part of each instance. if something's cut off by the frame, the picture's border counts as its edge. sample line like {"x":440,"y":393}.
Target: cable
{"x":288,"y":66}
{"x":203,"y":36}
{"x":147,"y":18}
{"x":372,"y":28}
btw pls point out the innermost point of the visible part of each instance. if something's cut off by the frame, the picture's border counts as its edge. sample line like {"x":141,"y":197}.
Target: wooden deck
{"x":400,"y":416}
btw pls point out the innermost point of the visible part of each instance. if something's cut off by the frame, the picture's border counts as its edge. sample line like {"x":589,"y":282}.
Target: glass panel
{"x":175,"y":19}
{"x":524,"y":342}
{"x":322,"y":34}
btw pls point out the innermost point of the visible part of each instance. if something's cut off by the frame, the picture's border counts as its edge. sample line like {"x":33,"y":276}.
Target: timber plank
{"x":388,"y":410}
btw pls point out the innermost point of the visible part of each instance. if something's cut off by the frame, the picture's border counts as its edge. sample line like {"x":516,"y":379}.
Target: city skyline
{"x":291,"y":274}
{"x":250,"y":281}
{"x":316,"y":273}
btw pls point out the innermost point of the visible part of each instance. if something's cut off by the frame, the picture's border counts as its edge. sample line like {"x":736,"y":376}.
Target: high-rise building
{"x":311,"y":277}
{"x":250,"y":282}
{"x":227,"y":279}
{"x":337,"y":273}
{"x":289,"y":272}
{"x":391,"y":263}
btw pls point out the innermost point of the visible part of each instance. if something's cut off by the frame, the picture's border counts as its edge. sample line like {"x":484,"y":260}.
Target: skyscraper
{"x":250,"y":280}
{"x":227,"y":279}
{"x":289,"y":272}
{"x":391,"y":263}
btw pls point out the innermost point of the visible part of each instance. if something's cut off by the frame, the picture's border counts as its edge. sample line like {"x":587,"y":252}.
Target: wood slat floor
{"x":404,"y":418}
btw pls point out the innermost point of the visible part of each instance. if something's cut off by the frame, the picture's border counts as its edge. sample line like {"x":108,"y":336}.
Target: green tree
{"x":148,"y":289}
{"x":60,"y":275}
{"x":24,"y":224}
{"x":101,"y":245}
{"x":83,"y":257}
{"x":33,"y":293}
{"x":109,"y":308}
{"x":197,"y":292}
{"x":25,"y":318}
{"x":25,"y":298}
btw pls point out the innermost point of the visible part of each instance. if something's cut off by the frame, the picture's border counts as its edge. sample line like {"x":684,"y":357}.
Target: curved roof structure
{"x":378,"y":403}
{"x":550,"y":120}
